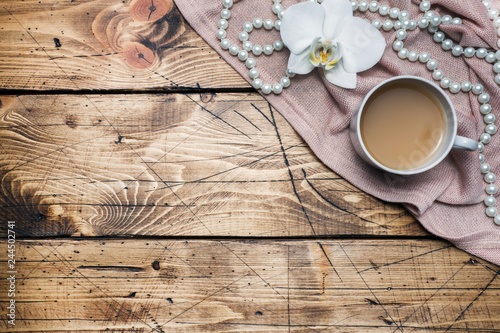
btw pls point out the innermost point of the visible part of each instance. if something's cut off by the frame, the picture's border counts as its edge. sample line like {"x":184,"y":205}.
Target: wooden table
{"x":152,"y":190}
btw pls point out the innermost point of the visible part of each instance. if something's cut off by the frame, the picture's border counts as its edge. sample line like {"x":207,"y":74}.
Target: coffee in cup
{"x":406,"y":125}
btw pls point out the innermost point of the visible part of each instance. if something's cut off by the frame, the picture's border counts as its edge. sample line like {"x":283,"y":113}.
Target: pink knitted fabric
{"x":447,"y":200}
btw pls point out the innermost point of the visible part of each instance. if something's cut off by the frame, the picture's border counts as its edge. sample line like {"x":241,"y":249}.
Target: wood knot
{"x":138,"y":56}
{"x":150,"y":10}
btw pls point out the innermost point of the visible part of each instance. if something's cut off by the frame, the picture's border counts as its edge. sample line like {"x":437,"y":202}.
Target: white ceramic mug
{"x":451,"y":139}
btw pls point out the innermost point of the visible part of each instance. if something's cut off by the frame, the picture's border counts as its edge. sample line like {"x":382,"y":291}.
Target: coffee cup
{"x":406,"y":125}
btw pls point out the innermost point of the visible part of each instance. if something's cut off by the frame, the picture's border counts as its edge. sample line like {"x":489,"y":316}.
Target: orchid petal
{"x":301,"y":24}
{"x":362,"y":44}
{"x":340,"y":77}
{"x":336,"y":12}
{"x":299,"y":63}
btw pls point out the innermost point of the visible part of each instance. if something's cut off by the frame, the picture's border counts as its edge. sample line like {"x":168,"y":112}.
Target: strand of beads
{"x":256,"y":50}
{"x":432,"y":21}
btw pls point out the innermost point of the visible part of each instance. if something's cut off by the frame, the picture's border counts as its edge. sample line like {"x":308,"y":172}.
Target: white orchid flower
{"x":327,"y":35}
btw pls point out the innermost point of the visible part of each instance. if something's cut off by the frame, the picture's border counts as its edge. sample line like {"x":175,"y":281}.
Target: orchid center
{"x":325,"y":53}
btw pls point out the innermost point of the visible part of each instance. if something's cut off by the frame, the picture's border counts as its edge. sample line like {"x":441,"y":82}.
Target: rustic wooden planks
{"x":103,"y":45}
{"x":259,"y":286}
{"x":173,"y":164}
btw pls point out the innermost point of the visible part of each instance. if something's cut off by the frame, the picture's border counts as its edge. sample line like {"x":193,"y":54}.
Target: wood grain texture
{"x":173,"y":164}
{"x":266,"y":286}
{"x":105,"y":44}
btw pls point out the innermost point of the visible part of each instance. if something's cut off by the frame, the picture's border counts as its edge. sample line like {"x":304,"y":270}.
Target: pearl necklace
{"x":430,"y":21}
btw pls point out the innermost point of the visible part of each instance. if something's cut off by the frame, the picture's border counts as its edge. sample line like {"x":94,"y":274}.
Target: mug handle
{"x":464,"y":143}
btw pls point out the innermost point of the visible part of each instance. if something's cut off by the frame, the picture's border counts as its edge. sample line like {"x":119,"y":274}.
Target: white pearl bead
{"x":485,"y":168}
{"x":480,"y":147}
{"x":492,"y":14}
{"x":254,"y":73}
{"x":268,"y":24}
{"x":388,"y":25}
{"x":234,"y":49}
{"x":243,"y":36}
{"x":490,"y":129}
{"x":394,"y":13}
{"x":490,"y":201}
{"x":277,"y":88}
{"x":248,"y":27}
{"x":397,"y":25}
{"x":438,"y":36}
{"x":268,"y":49}
{"x":225,"y":13}
{"x":257,"y":23}
{"x":266,"y":88}
{"x":289,"y":73}
{"x":485,"y":138}
{"x":485,"y":108}
{"x":490,"y":177}
{"x":277,"y":8}
{"x":496,"y":67}
{"x":491,"y":189}
{"x":227,"y":3}
{"x":280,"y":14}
{"x":363,"y":6}
{"x":221,"y":34}
{"x":413,"y":25}
{"x":377,"y":23}
{"x":435,"y":20}
{"x":225,"y":44}
{"x":437,"y":74}
{"x":487,"y":4}
{"x":285,"y":82}
{"x":423,"y":23}
{"x":413,"y":56}
{"x":424,"y":57}
{"x":250,"y":63}
{"x":457,"y":50}
{"x":447,"y":44}
{"x":403,"y":53}
{"x":497,"y":55}
{"x":490,"y":57}
{"x":354,"y":5}
{"x":403,"y":15}
{"x":247,"y":46}
{"x":277,"y":25}
{"x":374,"y":6}
{"x":425,"y":6}
{"x":447,"y":19}
{"x":481,"y":158}
{"x":243,"y":55}
{"x":489,"y":118}
{"x":497,"y":219}
{"x":257,"y":83}
{"x":491,"y":211}
{"x":445,"y":82}
{"x":397,"y":45}
{"x":483,"y":98}
{"x":496,"y":22}
{"x":429,"y":14}
{"x":384,"y":10}
{"x":223,"y":24}
{"x":401,"y":34}
{"x":432,"y":29}
{"x":432,"y":64}
{"x":457,"y":21}
{"x":469,"y":52}
{"x":466,"y":86}
{"x":455,"y":87}
{"x":257,"y":50}
{"x":481,"y":53}
{"x":477,"y":88}
{"x":278,"y":45}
